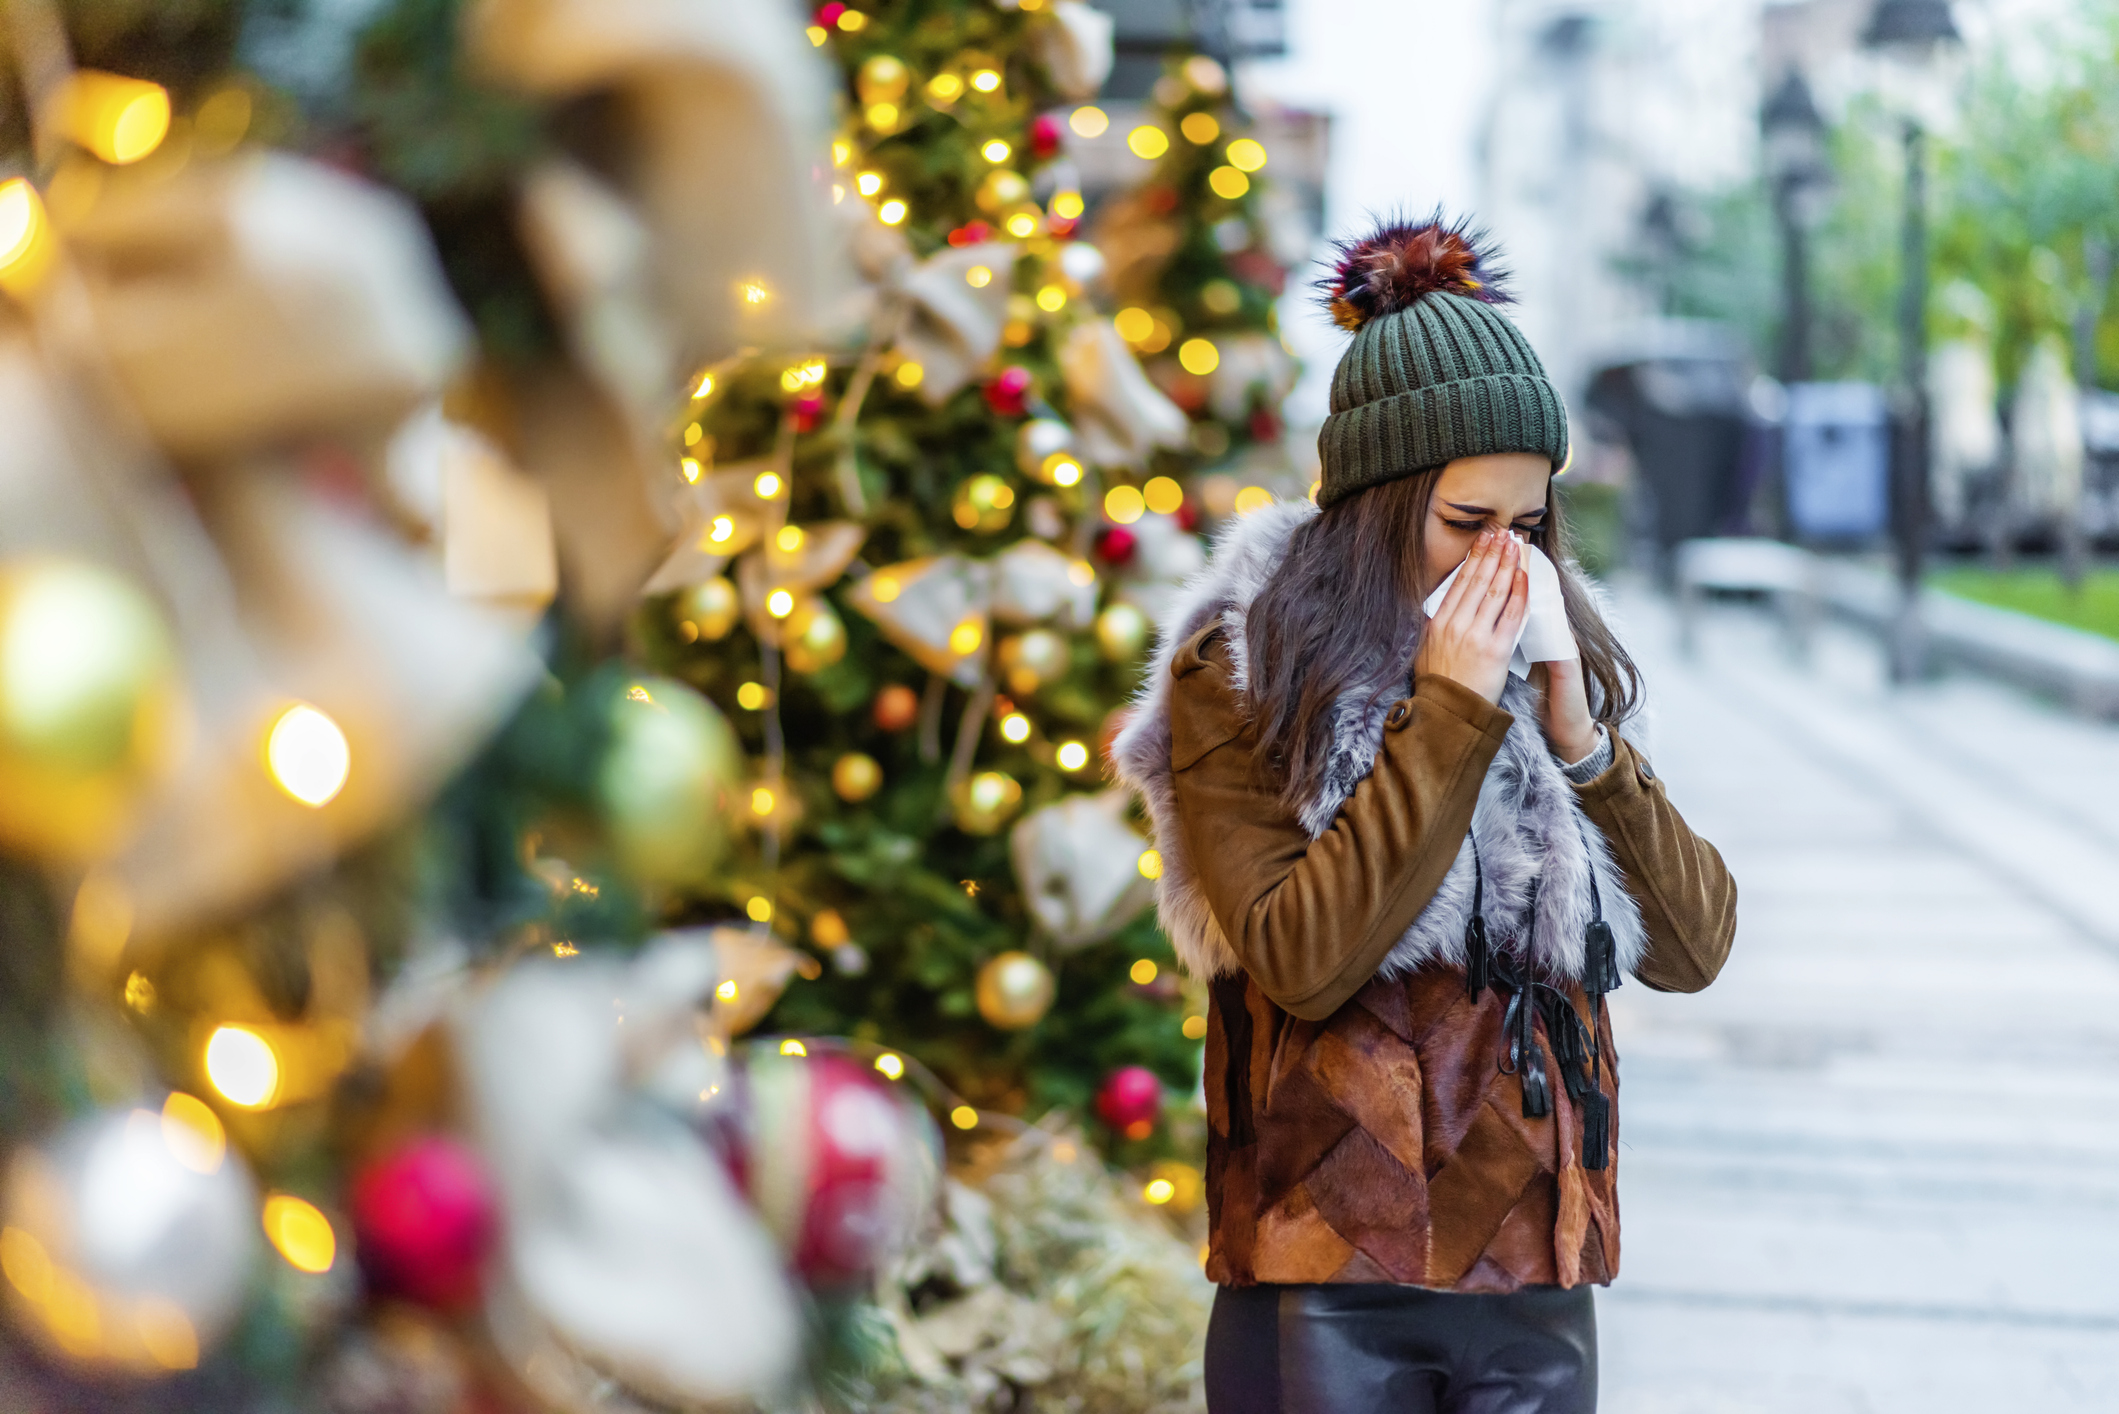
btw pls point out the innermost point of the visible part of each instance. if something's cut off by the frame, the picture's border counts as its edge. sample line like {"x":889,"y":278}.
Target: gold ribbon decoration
{"x":956,"y":304}
{"x":724,"y":515}
{"x":937,"y":609}
{"x":1120,"y":417}
{"x":794,"y":560}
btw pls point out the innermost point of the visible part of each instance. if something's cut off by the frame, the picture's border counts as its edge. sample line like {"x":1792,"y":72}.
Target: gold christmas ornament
{"x":771,"y":804}
{"x":984,"y":504}
{"x":1015,"y":991}
{"x":856,"y":776}
{"x":935,"y":609}
{"x":1001,"y":190}
{"x":882,"y":79}
{"x":87,"y":694}
{"x":812,"y":637}
{"x":1175,"y":1185}
{"x":1031,"y":660}
{"x":985,"y":802}
{"x":671,"y":763}
{"x":710,"y":609}
{"x":1122,"y":633}
{"x":1044,"y":448}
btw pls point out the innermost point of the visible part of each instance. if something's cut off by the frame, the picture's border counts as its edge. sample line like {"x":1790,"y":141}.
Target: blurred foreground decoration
{"x":286,"y":815}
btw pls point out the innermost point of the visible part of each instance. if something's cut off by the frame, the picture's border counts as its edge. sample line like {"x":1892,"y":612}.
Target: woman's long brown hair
{"x":1342,"y":615}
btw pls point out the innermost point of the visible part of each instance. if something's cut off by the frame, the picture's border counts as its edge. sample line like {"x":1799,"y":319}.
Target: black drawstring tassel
{"x":1600,"y":964}
{"x":1526,"y":1059}
{"x":1478,"y":954}
{"x":1596,"y":1129}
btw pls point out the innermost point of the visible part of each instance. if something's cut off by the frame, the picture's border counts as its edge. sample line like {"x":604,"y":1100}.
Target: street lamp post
{"x":1911,"y":37}
{"x":1794,"y":134}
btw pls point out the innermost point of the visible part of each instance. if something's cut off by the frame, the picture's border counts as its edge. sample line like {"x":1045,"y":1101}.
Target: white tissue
{"x":1544,"y":636}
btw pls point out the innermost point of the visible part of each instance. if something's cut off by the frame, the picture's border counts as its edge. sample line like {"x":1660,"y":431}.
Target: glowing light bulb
{"x":1227,"y":183}
{"x":964,"y":1117}
{"x":995,"y":151}
{"x":891,"y":1065}
{"x":1072,"y":756}
{"x":1143,"y":972}
{"x":789,"y":539}
{"x":1089,"y":121}
{"x":891,"y":212}
{"x":978,"y":277}
{"x":1067,"y":205}
{"x":21,"y":221}
{"x":300,"y":1233}
{"x":869,"y":183}
{"x":1150,"y":865}
{"x":1022,"y":225}
{"x":792,"y":1047}
{"x":767,"y":485}
{"x":1195,"y":1028}
{"x":1164,"y":495}
{"x":193,"y":1133}
{"x":1134,"y":324}
{"x":910,"y":374}
{"x":1246,"y":154}
{"x":1159,"y":1191}
{"x":1015,"y":727}
{"x":119,"y":119}
{"x":986,"y":80}
{"x":1252,"y":498}
{"x":759,"y":909}
{"x":721,"y":530}
{"x":308,"y":756}
{"x":1124,"y":504}
{"x":1199,"y":356}
{"x":754,"y":292}
{"x":779,"y":603}
{"x":691,"y":470}
{"x":726,"y":991}
{"x":1066,"y":472}
{"x":1148,"y":142}
{"x":761,"y":801}
{"x":242,"y":1067}
{"x":752,"y":696}
{"x":887,"y":588}
{"x":965,"y":638}
{"x":1199,"y":128}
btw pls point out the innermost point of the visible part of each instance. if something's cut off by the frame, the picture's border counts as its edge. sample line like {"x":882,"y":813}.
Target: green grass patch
{"x":2039,"y":593}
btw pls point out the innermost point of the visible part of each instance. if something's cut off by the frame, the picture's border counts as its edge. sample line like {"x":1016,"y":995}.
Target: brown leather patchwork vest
{"x":1387,"y":1143}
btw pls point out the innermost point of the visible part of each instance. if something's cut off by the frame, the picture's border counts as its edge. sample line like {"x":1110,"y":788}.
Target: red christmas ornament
{"x":970,"y":233}
{"x":897,"y":707}
{"x":1046,"y":135}
{"x":807,"y":412}
{"x":1115,"y":546}
{"x":828,"y":15}
{"x":1130,"y":1101}
{"x":836,"y":1163}
{"x":423,"y":1222}
{"x":1265,"y":427}
{"x":1009,"y":392}
{"x":1188,"y":514}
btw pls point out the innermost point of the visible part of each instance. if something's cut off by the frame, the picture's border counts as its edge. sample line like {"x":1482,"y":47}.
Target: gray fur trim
{"x":1533,"y":838}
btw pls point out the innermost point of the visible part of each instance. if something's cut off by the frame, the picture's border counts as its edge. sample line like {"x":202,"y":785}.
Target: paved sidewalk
{"x":1875,"y":1168}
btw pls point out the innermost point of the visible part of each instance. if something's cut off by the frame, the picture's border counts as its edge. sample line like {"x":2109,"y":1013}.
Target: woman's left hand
{"x":1569,"y":729}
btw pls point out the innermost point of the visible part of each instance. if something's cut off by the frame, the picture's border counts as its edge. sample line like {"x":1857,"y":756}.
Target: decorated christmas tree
{"x":918,"y":579}
{"x":353,"y":1063}
{"x":1196,"y":275}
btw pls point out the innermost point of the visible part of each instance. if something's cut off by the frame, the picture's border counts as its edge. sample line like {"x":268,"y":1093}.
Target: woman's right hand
{"x":1473,"y":635}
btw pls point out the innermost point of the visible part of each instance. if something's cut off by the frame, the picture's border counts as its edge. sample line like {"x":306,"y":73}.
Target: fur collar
{"x":1536,"y":846}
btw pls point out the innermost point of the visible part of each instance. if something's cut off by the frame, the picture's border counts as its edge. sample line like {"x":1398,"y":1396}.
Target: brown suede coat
{"x":1360,"y":1128}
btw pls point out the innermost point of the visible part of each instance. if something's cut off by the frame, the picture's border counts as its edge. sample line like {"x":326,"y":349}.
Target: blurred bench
{"x":1789,"y":577}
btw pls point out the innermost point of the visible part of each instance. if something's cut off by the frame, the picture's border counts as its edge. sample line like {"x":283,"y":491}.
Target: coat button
{"x":1647,"y":771}
{"x":1401,"y":713}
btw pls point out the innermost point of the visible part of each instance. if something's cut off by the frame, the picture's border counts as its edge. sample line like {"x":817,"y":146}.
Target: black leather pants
{"x":1360,"y":1349}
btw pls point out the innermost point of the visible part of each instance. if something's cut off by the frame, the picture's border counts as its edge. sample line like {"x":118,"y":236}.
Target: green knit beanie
{"x":1435,"y":371}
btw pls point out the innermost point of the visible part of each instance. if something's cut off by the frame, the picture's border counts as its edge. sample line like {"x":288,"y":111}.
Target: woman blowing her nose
{"x":1412,"y":875}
